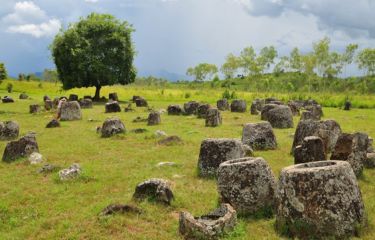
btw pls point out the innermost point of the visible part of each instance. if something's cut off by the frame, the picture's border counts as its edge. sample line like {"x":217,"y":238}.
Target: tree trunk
{"x":97,"y":93}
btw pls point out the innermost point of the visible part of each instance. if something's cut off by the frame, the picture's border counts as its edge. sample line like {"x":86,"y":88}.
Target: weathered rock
{"x":307,"y":115}
{"x":72,"y":172}
{"x":70,"y":111}
{"x":141,"y":102}
{"x":154,"y":188}
{"x":215,"y":151}
{"x":319,"y":200}
{"x":119,"y":209}
{"x":222,"y":104}
{"x":310,"y":102}
{"x":259,"y":136}
{"x":112,"y":107}
{"x":202,"y":110}
{"x":370,"y":147}
{"x":73,"y":97}
{"x":35,"y":158}
{"x":140,"y":119}
{"x":353,"y":149}
{"x":87,"y":97}
{"x":134,"y":98}
{"x":266,"y":108}
{"x":154,"y":118}
{"x":347,"y":105}
{"x":191,"y":107}
{"x":210,"y":226}
{"x":45,"y":97}
{"x":20,"y":148}
{"x":129,"y":108}
{"x":238,"y":105}
{"x":55,"y":102}
{"x":247,"y":184}
{"x":139,"y":130}
{"x":23,"y":96}
{"x":174,"y":110}
{"x":7,"y":99}
{"x":213,"y":118}
{"x":48,"y":105}
{"x":85,"y":103}
{"x":170,"y":140}
{"x":311,"y":150}
{"x":316,"y":112}
{"x":160,"y":133}
{"x":166,"y":164}
{"x":280,"y":117}
{"x":256,"y":106}
{"x":9,"y":130}
{"x":113,"y":96}
{"x":294,"y":107}
{"x":34,"y":108}
{"x":112,"y":126}
{"x":270,"y":100}
{"x":370,"y":160}
{"x":48,"y":168}
{"x":53,"y":124}
{"x":328,"y":130}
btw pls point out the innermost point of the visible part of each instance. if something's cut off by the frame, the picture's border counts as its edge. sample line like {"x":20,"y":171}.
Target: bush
{"x":10,"y":88}
{"x":226,"y":94}
{"x":187,"y":95}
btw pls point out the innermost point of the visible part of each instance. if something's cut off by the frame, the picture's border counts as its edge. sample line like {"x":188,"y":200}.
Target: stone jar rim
{"x":241,"y":161}
{"x":328,"y":165}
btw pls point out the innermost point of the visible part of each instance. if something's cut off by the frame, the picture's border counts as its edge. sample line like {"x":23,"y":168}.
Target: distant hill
{"x":172,"y":77}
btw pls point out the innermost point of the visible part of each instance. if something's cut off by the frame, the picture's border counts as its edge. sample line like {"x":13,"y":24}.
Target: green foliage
{"x":50,"y":75}
{"x":3,"y":72}
{"x":231,"y":65}
{"x":226,"y":94}
{"x":151,"y":81}
{"x":366,"y":60}
{"x":9,"y":87}
{"x":187,"y":95}
{"x":202,"y":71}
{"x":97,"y":51}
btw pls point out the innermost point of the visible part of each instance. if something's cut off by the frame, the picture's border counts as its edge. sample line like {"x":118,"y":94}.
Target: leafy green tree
{"x":308,"y":66}
{"x":248,"y":61}
{"x":231,"y":66}
{"x":202,"y":71}
{"x":21,"y":76}
{"x":321,"y":52}
{"x":366,"y":61}
{"x":50,"y":75}
{"x":3,"y":72}
{"x":266,"y":58}
{"x":348,"y":57}
{"x":282,"y":66}
{"x":95,"y":52}
{"x":295,"y":60}
{"x":255,"y":65}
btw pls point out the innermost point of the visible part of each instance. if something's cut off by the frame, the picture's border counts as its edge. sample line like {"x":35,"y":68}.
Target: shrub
{"x":9,"y":87}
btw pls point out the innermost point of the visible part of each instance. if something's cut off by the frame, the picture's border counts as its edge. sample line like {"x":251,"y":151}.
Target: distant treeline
{"x":318,"y":70}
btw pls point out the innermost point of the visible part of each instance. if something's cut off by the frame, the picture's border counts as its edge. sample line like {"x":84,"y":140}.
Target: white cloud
{"x":24,"y":12}
{"x":49,"y":28}
{"x":28,"y":18}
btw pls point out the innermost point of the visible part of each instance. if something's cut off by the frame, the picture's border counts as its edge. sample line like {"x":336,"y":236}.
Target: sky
{"x":172,"y":35}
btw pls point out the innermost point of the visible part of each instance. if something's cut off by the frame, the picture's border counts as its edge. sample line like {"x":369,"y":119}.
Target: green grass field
{"x":34,"y":206}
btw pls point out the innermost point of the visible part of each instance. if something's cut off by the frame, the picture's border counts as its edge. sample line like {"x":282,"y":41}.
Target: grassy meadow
{"x":37,"y":206}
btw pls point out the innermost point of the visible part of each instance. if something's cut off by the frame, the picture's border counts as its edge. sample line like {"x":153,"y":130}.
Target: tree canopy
{"x":3,"y":72}
{"x":202,"y":71}
{"x":95,"y":52}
